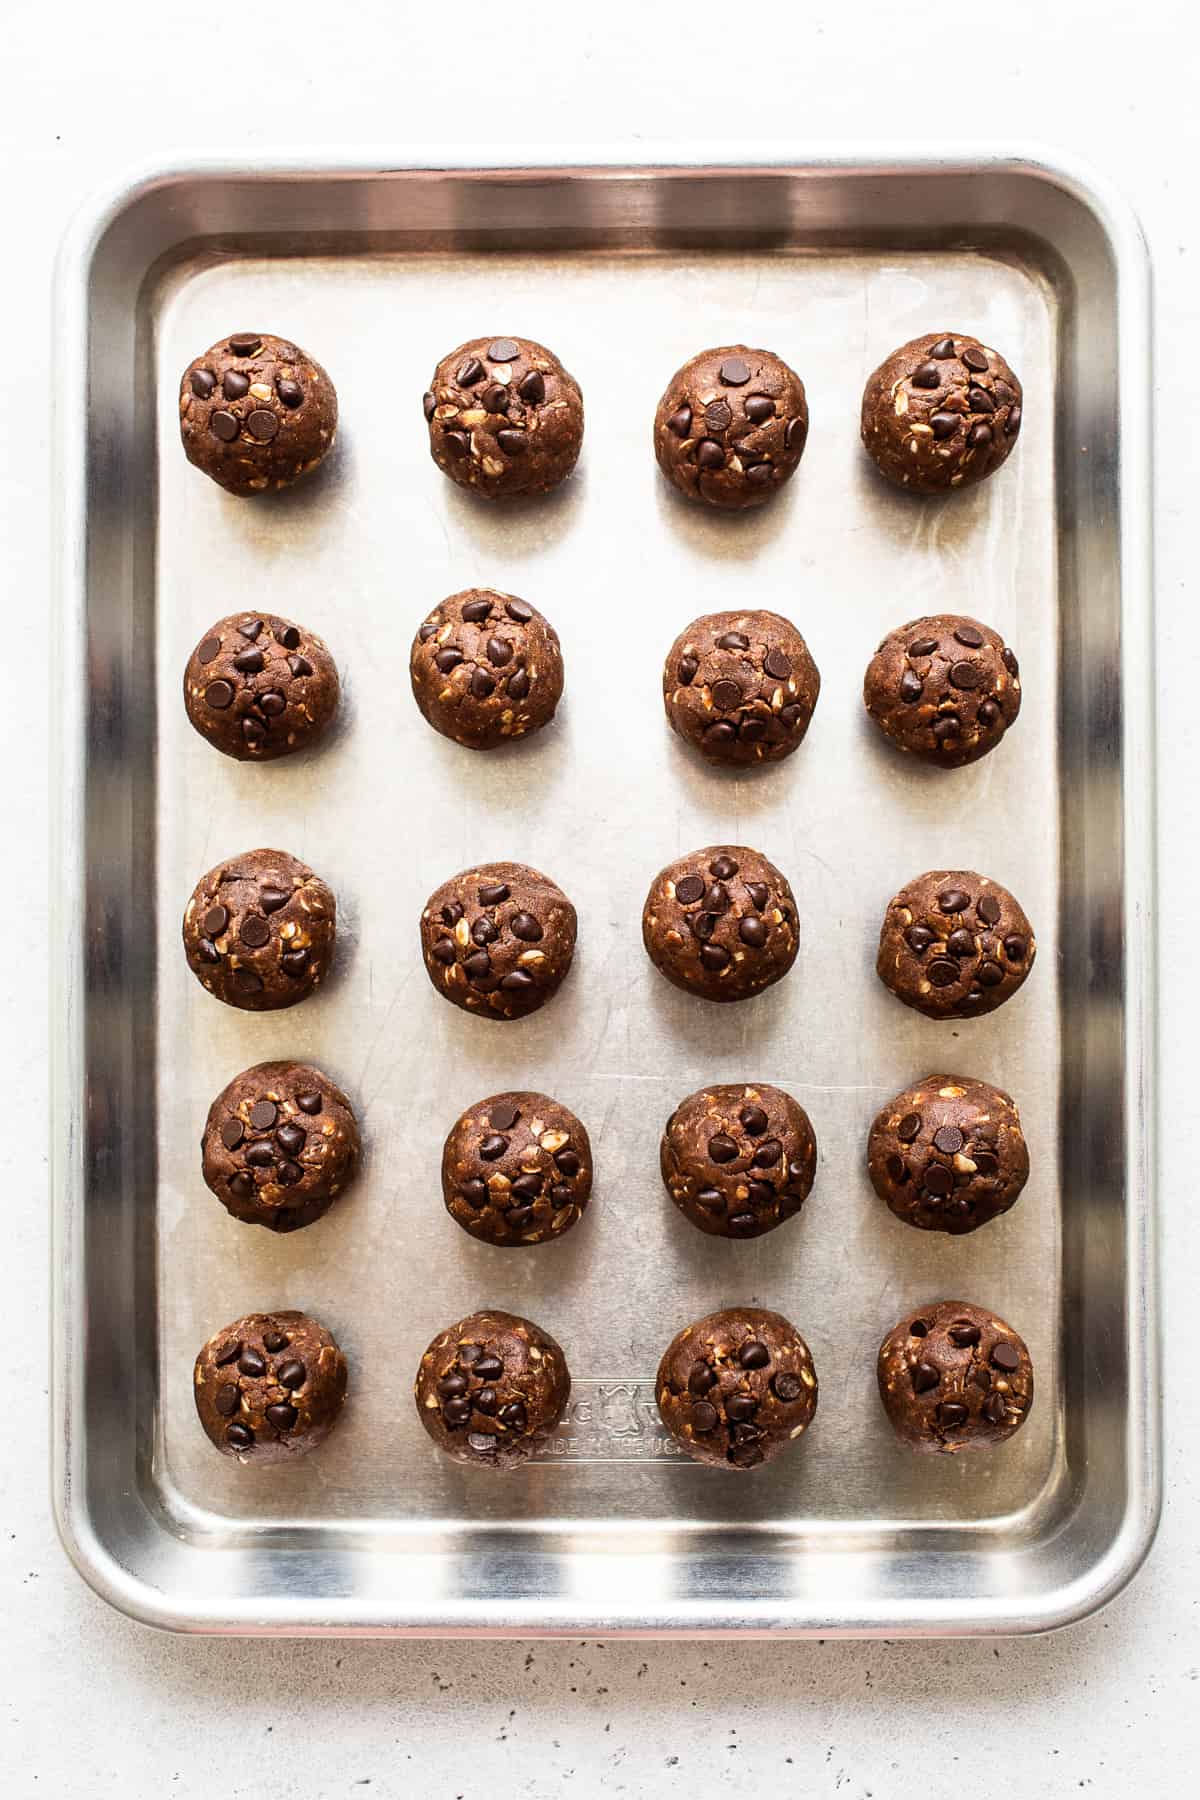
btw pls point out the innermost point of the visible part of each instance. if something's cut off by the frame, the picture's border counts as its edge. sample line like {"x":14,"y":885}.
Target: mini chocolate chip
{"x":503,"y":350}
{"x":262,"y":425}
{"x":924,"y":1377}
{"x":753,"y":1120}
{"x":734,"y":372}
{"x":680,"y":422}
{"x":967,"y":675}
{"x":922,"y":647}
{"x":245,"y":343}
{"x":1007,"y":1357}
{"x":456,"y":443}
{"x":294,"y":963}
{"x":927,"y":376}
{"x":740,"y":1407}
{"x":518,"y":982}
{"x":951,"y":1414}
{"x":964,"y":1334}
{"x":721,"y":1149}
{"x":718,"y":416}
{"x":272,"y":898}
{"x":456,"y":1411}
{"x":953,"y":900}
{"x":469,"y":372}
{"x":239,"y":1435}
{"x":291,"y":1138}
{"x":474,"y":1192}
{"x":754,"y":1354}
{"x":911,"y":687}
{"x":961,"y":943}
{"x":203,"y":383}
{"x":228,"y":1399}
{"x":949,"y":1140}
{"x":517,"y":685}
{"x":476,"y":611}
{"x":918,"y":938}
{"x":218,"y":695}
{"x":282,"y":1416}
{"x":703,"y":1416}
{"x":975,"y":358}
{"x":1014,"y":949}
{"x":943,"y":349}
{"x":514,"y":1415}
{"x":909,"y":1127}
{"x":709,"y":454}
{"x":523,"y":925}
{"x":939,"y":1180}
{"x":777,"y":665}
{"x":1010,"y":662}
{"x":235,"y":385}
{"x":752,"y":932}
{"x":689,"y":890}
{"x":794,"y":436}
{"x":299,"y":665}
{"x":1013,"y":422}
{"x":251,"y":1363}
{"x":759,"y":894}
{"x":686,"y":673}
{"x":482,"y":684}
{"x":714,"y":957}
{"x":495,"y":893}
{"x":759,"y":408}
{"x":428,"y":405}
{"x":488,"y":1367}
{"x":942,"y":973}
{"x":513,"y":443}
{"x":291,"y":394}
{"x":255,"y":931}
{"x":989,"y":974}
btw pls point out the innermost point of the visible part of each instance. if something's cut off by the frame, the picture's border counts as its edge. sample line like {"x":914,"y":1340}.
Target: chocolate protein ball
{"x":280,"y":1144}
{"x":954,"y":944}
{"x":736,"y":1388}
{"x":486,"y":668}
{"x":740,"y":687}
{"x":259,"y":930}
{"x":721,"y":923}
{"x":258,"y":687}
{"x":270,"y":1386}
{"x":954,"y":1377}
{"x":944,"y":688}
{"x":948,"y":1154}
{"x":491,"y":1389}
{"x":731,"y":427}
{"x":255,"y":412}
{"x":504,"y":417}
{"x":942,"y":412}
{"x":517,"y":1169}
{"x":498,"y":939}
{"x":739,"y":1160}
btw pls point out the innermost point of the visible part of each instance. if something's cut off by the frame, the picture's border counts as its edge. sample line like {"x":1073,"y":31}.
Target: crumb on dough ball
{"x":738,"y":1160}
{"x":491,"y":1388}
{"x":259,"y":930}
{"x":486,"y":668}
{"x":505,"y":418}
{"x":736,"y":1388}
{"x":517,"y":1169}
{"x":721,"y":923}
{"x":731,"y":427}
{"x":270,"y":1387}
{"x":498,"y":939}
{"x":740,"y":687}
{"x":280,"y":1144}
{"x":256,"y":413}
{"x":948,"y":1154}
{"x":954,"y":1377}
{"x":259,"y":687}
{"x":942,"y":412}
{"x":954,"y":944}
{"x":943,"y":688}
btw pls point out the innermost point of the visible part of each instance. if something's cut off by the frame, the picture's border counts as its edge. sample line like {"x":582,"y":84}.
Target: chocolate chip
{"x":245,"y":343}
{"x":251,"y":629}
{"x":272,"y":703}
{"x":717,"y":898}
{"x":961,"y":943}
{"x":456,"y":1411}
{"x":470,"y":1354}
{"x":1014,"y":949}
{"x":944,"y":424}
{"x":943,"y":349}
{"x":494,"y":894}
{"x":239,"y":1435}
{"x":518,"y":1218}
{"x":964,"y":1334}
{"x":947,"y":728}
{"x":740,"y":1407}
{"x":759,"y":408}
{"x":753,"y":1120}
{"x":980,"y":401}
{"x":709,"y":454}
{"x":760,"y":1193}
{"x":721,"y":1149}
{"x":447,"y":659}
{"x":203,"y":383}
{"x":474,"y":1192}
{"x":927,"y":376}
{"x":1007,"y":1357}
{"x":701,"y":1378}
{"x":1013,"y":422}
{"x":752,"y":731}
{"x":262,"y":425}
{"x":260,"y":1156}
{"x":513,"y":443}
{"x":251,"y":1363}
{"x":953,"y":900}
{"x":939,"y":1180}
{"x":703,"y":1416}
{"x":291,"y":394}
{"x":734,"y":372}
{"x":922,"y":647}
{"x":777,"y":665}
{"x":300,"y":666}
{"x":248,"y":981}
{"x":689,"y":890}
{"x":232,"y":1133}
{"x":988,"y":908}
{"x":476,"y":611}
{"x":514,"y":1416}
{"x":503,"y":350}
{"x":241,"y":1185}
{"x":488,"y":1367}
{"x":703,"y":925}
{"x":532,"y":388}
{"x":518,"y":611}
{"x":254,"y":732}
{"x":223,"y":425}
{"x":1010,"y":662}
{"x":754,"y":1354}
{"x":686,"y":673}
{"x":896,"y":1170}
{"x":523,"y":925}
{"x":291,"y":1138}
{"x":975,"y":358}
{"x":942,"y":973}
{"x":517,"y":686}
{"x":255,"y":931}
{"x":994,"y":1409}
{"x":924,"y":1377}
{"x":209,"y":649}
{"x":248,"y":662}
{"x":794,"y":436}
{"x":979,"y":436}
{"x":759,"y":894}
{"x":207,"y":951}
{"x":718,"y":416}
{"x":519,"y":982}
{"x":988,"y":713}
{"x":966,"y":675}
{"x":499,"y":652}
{"x":469,"y":372}
{"x":911,"y":687}
{"x":949,"y":1140}
{"x":752,"y":932}
{"x":786,"y":1387}
{"x":428,"y":404}
{"x":680,"y":422}
{"x":294,"y":963}
{"x":282,"y":1416}
{"x":768,"y":1153}
{"x":918,"y":1329}
{"x":456,"y":443}
{"x":309,"y":1103}
{"x":235,"y":385}
{"x":951,"y":1414}
{"x":733,"y":640}
{"x":986,"y":1162}
{"x":482,"y":684}
{"x":714,"y":957}
{"x":263,"y":1115}
{"x":495,"y":399}
{"x":214,"y":921}
{"x":989,"y":974}
{"x":918,"y":938}
{"x":271,"y":898}
{"x":218,"y":695}
{"x":909,"y":1127}
{"x":228,"y":1399}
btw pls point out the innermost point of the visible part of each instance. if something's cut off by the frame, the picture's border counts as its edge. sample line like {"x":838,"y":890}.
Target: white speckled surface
{"x":93,"y":1706}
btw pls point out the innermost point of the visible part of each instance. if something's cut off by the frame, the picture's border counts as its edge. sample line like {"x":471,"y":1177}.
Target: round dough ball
{"x":948,"y":1154}
{"x":280,"y":1144}
{"x":504,"y":417}
{"x":270,"y":1386}
{"x":741,"y":687}
{"x":258,"y":687}
{"x":256,"y":413}
{"x":517,"y":1169}
{"x":485,"y":668}
{"x":259,"y":931}
{"x":954,"y":945}
{"x":736,"y":1388}
{"x":954,"y":1377}
{"x":498,"y":939}
{"x":731,"y":427}
{"x":721,"y":923}
{"x":942,"y":412}
{"x":944,"y":688}
{"x":491,"y":1389}
{"x":739,"y":1160}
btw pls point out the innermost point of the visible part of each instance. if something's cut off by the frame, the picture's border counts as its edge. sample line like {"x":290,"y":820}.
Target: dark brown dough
{"x":517,"y":1169}
{"x":259,"y":930}
{"x":948,"y":1154}
{"x":739,"y":1160}
{"x":257,"y":686}
{"x":954,"y":1377}
{"x":954,"y":945}
{"x":256,"y":413}
{"x":942,"y":412}
{"x":736,"y":1388}
{"x":741,"y":687}
{"x":280,"y":1144}
{"x":498,"y":939}
{"x":486,"y":668}
{"x":731,"y":427}
{"x":504,"y":417}
{"x":721,"y":923}
{"x":944,"y":688}
{"x":270,"y":1386}
{"x":491,"y":1389}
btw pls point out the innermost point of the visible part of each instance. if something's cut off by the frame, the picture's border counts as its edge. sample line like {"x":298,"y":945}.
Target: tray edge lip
{"x":1127,"y":1548}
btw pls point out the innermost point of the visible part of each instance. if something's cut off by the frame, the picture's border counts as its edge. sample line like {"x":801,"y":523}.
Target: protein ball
{"x":280,"y":1144}
{"x":259,"y":931}
{"x":721,"y":923}
{"x":948,"y":1154}
{"x":736,"y":1388}
{"x":942,"y":412}
{"x":491,"y":1389}
{"x":740,"y":687}
{"x":738,"y":1160}
{"x":270,"y":1386}
{"x":731,"y":427}
{"x":944,"y":688}
{"x":498,"y":939}
{"x":953,"y":1377}
{"x":505,"y":419}
{"x":259,"y":687}
{"x":486,"y":668}
{"x":954,"y":944}
{"x":255,"y":412}
{"x":517,"y":1169}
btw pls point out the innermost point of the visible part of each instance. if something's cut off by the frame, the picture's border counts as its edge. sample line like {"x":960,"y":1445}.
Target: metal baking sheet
{"x":624,"y":272}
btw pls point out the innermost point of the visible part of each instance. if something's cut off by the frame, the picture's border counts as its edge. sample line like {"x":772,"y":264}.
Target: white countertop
{"x":92,"y":1705}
